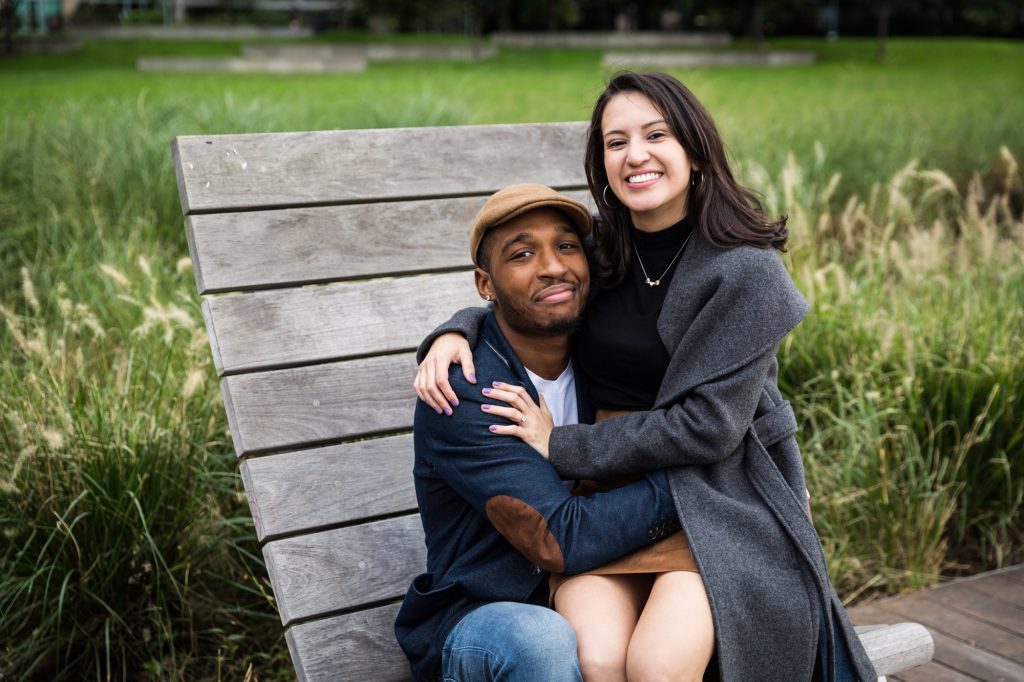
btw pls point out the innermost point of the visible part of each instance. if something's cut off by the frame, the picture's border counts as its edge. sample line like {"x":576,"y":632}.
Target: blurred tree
{"x":1000,"y":17}
{"x":755,"y":21}
{"x":883,"y":13}
{"x":8,"y":20}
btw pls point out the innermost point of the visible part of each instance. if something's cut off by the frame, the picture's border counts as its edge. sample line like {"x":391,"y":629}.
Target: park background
{"x":126,"y":547}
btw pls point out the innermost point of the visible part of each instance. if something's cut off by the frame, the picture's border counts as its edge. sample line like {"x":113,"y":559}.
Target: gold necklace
{"x":647,"y":278}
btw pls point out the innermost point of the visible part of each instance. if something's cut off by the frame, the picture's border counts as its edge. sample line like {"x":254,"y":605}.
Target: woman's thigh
{"x":603,"y":610}
{"x":675,"y":635}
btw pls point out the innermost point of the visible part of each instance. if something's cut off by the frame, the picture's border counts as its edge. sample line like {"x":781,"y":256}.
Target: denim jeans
{"x":511,"y":642}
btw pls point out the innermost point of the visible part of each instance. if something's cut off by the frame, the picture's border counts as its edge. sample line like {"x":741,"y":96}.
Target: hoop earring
{"x":604,"y":195}
{"x":696,"y":178}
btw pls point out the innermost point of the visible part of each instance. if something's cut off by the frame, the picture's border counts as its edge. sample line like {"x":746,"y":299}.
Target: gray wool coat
{"x":727,"y":435}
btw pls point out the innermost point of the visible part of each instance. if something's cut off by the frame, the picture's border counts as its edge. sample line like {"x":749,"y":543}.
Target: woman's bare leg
{"x":603,"y":610}
{"x":675,"y":636}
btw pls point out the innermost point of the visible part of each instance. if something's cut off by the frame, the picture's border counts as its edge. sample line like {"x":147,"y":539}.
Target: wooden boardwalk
{"x":977,"y":623}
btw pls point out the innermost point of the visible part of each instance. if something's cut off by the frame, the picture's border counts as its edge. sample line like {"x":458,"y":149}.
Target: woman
{"x":678,"y":353}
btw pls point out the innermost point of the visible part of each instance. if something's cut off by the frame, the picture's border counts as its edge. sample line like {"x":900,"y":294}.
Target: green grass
{"x":127,"y":549}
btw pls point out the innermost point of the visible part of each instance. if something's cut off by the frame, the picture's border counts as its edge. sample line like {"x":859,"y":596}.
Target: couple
{"x":680,"y":539}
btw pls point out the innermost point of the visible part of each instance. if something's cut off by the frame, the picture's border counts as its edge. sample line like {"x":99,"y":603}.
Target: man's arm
{"x":525,"y":500}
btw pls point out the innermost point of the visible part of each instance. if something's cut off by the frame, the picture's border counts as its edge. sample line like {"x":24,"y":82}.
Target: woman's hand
{"x":531,"y":423}
{"x":431,"y":382}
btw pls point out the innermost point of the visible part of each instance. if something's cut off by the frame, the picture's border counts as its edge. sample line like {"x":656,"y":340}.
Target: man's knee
{"x":543,"y":635}
{"x":508,"y":641}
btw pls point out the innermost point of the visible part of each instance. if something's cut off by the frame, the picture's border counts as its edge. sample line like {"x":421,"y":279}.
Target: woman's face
{"x":648,"y":170}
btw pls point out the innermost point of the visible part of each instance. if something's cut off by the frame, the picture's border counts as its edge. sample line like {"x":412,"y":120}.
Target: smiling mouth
{"x":556,"y":293}
{"x":642,"y":178}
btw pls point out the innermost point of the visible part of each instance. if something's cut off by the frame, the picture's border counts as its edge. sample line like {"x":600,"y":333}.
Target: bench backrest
{"x":323,"y":258}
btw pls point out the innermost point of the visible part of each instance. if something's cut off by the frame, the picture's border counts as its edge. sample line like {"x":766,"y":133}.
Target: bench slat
{"x":354,"y":647}
{"x":279,"y":328}
{"x":898,"y":647}
{"x":300,"y":246}
{"x":345,"y":568}
{"x":308,"y":406}
{"x":298,"y":491}
{"x":252,"y":250}
{"x":232,"y":172}
{"x":360,"y":646}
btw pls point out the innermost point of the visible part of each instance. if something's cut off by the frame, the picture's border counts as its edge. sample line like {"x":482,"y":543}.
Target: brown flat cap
{"x":515,"y":200}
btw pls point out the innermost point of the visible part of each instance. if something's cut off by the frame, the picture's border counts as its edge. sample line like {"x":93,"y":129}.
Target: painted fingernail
{"x":493,"y":427}
{"x":472,"y":377}
{"x":448,"y":411}
{"x":486,"y":391}
{"x":438,"y":410}
{"x":454,"y":402}
{"x":485,"y":407}
{"x":497,"y":384}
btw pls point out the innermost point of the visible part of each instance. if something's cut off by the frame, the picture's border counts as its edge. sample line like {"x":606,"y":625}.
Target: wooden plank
{"x":309,"y":245}
{"x":345,"y":568}
{"x":1002,"y":586}
{"x":951,"y":622}
{"x":287,"y":327}
{"x":897,"y":647}
{"x":354,"y":647}
{"x":308,"y":406}
{"x":361,"y":646}
{"x":980,"y":605}
{"x":950,"y":652}
{"x":238,"y":251}
{"x":932,"y":672}
{"x":231,"y":172}
{"x":974,"y":661}
{"x":299,"y":491}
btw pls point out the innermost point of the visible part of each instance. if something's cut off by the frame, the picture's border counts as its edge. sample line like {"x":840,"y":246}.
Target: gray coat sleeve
{"x":703,"y":426}
{"x":466,"y":322}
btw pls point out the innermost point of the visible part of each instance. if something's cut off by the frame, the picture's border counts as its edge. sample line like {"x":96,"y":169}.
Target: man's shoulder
{"x":466,"y":419}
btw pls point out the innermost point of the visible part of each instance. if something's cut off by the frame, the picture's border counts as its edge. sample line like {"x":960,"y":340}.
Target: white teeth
{"x":643,"y":177}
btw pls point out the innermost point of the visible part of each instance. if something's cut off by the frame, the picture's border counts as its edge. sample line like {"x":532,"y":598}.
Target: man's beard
{"x":521,"y":321}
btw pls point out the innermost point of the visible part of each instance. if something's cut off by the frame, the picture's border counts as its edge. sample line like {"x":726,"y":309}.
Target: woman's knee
{"x":601,"y":664}
{"x":654,"y":667}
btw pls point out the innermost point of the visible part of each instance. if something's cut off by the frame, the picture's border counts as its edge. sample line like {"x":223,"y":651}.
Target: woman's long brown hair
{"x":726,"y":213}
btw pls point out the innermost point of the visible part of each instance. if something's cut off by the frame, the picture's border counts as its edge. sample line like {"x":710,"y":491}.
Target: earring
{"x":604,"y":195}
{"x":696,"y":177}
{"x":487,"y":298}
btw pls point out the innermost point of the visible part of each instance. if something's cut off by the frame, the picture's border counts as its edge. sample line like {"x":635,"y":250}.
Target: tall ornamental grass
{"x":908,"y":373}
{"x":127,"y":548}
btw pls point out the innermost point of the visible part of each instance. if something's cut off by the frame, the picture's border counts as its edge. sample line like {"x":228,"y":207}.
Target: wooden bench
{"x":323,"y":258}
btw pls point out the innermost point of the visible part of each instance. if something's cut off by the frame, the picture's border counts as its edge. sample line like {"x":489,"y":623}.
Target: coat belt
{"x":776,"y":425}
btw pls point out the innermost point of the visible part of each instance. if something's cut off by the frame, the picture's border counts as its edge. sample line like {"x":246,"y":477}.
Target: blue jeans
{"x":511,"y":642}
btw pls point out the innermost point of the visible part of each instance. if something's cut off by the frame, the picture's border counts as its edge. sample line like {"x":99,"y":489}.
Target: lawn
{"x":127,"y":546}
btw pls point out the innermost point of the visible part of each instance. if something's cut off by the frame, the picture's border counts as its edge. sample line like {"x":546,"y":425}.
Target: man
{"x":495,"y":514}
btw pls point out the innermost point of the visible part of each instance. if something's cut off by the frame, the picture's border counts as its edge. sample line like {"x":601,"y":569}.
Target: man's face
{"x":538,"y":276}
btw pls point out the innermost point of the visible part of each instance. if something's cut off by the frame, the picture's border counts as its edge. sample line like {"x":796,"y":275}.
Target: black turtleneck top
{"x":617,"y":348}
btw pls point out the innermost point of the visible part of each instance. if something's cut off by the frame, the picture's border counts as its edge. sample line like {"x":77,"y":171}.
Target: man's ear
{"x":484,"y":286}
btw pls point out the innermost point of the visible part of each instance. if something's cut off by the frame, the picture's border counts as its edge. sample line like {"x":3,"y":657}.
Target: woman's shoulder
{"x":745,"y":266}
{"x":746,"y":282}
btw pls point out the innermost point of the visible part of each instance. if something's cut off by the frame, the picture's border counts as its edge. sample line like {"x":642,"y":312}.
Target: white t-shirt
{"x":560,"y":395}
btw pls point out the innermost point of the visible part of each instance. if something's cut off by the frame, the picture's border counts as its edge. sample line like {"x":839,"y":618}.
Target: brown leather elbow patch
{"x":527,"y":530}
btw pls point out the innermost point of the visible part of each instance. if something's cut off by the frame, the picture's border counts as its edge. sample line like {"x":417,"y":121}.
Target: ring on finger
{"x":522,"y":419}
